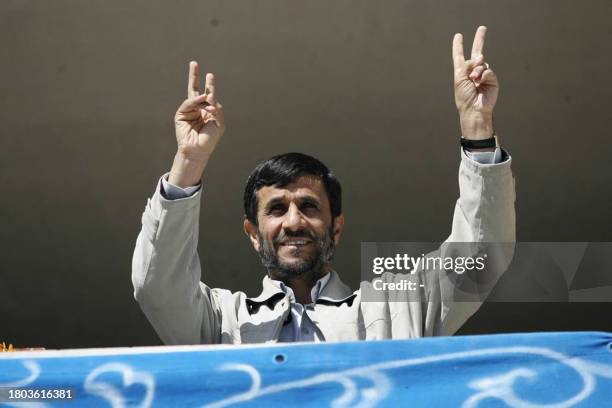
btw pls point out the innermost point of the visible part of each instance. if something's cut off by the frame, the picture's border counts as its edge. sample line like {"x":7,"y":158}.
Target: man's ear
{"x":338,"y":227}
{"x":250,"y":230}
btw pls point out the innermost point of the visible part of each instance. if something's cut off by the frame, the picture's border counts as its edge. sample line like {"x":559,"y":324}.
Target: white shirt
{"x":299,"y":327}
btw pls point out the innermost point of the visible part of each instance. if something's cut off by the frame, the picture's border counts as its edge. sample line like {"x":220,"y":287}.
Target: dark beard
{"x":310,"y":269}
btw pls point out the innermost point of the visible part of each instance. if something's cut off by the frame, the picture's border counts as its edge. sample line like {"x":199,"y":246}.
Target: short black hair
{"x":282,"y":170}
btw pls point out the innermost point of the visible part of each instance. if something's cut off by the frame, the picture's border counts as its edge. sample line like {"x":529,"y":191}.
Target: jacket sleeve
{"x":166,"y":273}
{"x":484,"y":221}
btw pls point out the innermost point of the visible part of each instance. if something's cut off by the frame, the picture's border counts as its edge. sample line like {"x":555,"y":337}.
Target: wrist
{"x":476,"y":127}
{"x":186,"y":170}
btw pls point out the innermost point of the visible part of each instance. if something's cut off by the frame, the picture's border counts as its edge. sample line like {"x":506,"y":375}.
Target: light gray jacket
{"x":166,"y":276}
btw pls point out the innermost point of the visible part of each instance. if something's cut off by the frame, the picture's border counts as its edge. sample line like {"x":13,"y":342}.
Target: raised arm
{"x":483,"y":221}
{"x":484,"y":214}
{"x":485,"y":209}
{"x":166,"y":267}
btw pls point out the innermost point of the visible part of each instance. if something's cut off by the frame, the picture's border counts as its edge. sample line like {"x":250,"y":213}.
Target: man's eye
{"x":277,"y":209}
{"x":309,"y":206}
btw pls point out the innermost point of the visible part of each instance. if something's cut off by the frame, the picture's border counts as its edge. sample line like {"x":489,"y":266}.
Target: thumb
{"x":473,"y":63}
{"x":467,"y":67}
{"x":193,"y":104}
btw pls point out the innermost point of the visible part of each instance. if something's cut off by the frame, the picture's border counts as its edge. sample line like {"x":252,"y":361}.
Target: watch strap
{"x":479,"y":144}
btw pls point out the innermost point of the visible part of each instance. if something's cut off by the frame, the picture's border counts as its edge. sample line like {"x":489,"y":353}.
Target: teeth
{"x":295,"y":243}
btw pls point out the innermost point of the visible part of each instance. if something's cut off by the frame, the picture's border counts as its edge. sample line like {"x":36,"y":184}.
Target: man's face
{"x":295,"y":236}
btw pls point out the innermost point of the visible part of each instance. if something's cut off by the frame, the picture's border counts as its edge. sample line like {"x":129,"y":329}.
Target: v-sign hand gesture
{"x":476,"y":88}
{"x":199,"y":125}
{"x":199,"y":121}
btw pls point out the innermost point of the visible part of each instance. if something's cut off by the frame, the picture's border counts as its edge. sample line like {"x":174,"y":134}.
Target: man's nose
{"x":294,"y":219}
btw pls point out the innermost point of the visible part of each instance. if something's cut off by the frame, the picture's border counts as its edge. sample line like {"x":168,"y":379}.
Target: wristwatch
{"x":480,"y":144}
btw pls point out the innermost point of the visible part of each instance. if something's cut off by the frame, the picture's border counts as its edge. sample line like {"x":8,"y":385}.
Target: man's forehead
{"x":306,"y":185}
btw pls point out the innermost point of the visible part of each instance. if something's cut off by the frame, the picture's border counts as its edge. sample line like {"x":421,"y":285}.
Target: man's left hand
{"x":476,"y":88}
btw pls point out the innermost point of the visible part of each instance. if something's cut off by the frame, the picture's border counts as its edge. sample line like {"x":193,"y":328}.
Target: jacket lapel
{"x":265,"y":314}
{"x":335,"y":291}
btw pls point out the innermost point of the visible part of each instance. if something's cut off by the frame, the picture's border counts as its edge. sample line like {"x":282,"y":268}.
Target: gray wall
{"x":89,"y":88}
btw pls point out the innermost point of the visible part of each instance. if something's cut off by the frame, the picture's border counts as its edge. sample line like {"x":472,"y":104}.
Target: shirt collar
{"x":315,"y":292}
{"x":332,"y":289}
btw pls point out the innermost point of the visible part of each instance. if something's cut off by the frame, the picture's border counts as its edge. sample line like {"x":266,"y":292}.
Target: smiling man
{"x":293,"y":217}
{"x":294,"y":220}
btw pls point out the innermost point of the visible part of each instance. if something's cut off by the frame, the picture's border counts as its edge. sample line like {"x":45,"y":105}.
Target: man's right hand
{"x":199,"y":125}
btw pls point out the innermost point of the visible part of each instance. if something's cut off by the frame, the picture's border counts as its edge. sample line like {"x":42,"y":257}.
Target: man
{"x":294,"y":220}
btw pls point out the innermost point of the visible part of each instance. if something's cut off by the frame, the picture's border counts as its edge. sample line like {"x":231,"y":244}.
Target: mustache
{"x":284,"y":235}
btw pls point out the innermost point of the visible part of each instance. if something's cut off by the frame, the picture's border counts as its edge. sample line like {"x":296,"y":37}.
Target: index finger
{"x":210,"y":87}
{"x":479,"y":40}
{"x":458,"y":56}
{"x":193,"y":86}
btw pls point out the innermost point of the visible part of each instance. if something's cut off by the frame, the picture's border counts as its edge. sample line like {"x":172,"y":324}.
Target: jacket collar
{"x":334,"y":291}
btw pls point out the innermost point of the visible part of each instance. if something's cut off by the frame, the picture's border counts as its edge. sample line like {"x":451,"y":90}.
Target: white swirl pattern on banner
{"x":499,"y":386}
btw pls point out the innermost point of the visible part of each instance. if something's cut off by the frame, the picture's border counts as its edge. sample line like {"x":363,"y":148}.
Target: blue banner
{"x":516,"y":370}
